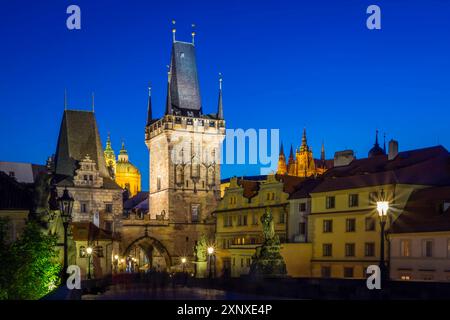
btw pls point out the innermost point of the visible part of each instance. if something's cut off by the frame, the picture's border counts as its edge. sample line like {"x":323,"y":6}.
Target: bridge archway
{"x":149,"y":252}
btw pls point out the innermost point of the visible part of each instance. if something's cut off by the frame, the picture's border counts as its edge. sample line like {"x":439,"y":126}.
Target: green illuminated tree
{"x":29,"y":267}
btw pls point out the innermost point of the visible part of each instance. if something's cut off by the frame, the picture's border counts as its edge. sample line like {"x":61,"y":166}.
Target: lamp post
{"x":210,"y":257}
{"x":65,"y":207}
{"x":382,"y":208}
{"x":89,"y":253}
{"x":183,"y":262}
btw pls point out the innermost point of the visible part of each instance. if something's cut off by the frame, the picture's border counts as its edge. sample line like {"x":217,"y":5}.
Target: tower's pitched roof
{"x":78,"y":136}
{"x":184,"y":86}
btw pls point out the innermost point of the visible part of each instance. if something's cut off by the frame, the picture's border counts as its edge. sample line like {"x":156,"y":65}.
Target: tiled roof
{"x":82,"y":231}
{"x":136,"y":200}
{"x":428,"y":166}
{"x":303,"y":189}
{"x":184,"y":86}
{"x":78,"y":136}
{"x":425,"y":211}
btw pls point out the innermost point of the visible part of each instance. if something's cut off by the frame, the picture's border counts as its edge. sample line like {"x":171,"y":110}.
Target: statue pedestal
{"x":267,"y":261}
{"x":201,"y":269}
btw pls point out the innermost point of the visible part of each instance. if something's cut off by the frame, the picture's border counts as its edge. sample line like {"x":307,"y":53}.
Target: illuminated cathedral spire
{"x":282,"y":168}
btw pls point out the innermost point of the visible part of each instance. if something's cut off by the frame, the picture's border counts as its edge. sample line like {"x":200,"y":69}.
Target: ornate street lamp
{"x":183,"y":262}
{"x":210,"y":258}
{"x":65,"y":208}
{"x":382,"y":208}
{"x":89,"y":253}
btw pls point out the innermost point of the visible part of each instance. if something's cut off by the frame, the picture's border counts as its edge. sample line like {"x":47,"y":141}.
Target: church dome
{"x":126,"y":167}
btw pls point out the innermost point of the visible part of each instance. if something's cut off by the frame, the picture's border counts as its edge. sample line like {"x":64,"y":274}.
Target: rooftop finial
{"x":220,"y":104}
{"x":174,"y":30}
{"x":193,"y":33}
{"x":149,"y":104}
{"x":65,"y":99}
{"x":93,"y":102}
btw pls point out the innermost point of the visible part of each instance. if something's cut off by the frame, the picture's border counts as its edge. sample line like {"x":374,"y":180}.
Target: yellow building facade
{"x":345,"y":229}
{"x":238,"y":226}
{"x":124,"y":173}
{"x":344,"y":224}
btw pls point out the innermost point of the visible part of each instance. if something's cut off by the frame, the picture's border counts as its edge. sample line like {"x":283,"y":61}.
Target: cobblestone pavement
{"x":135,"y":291}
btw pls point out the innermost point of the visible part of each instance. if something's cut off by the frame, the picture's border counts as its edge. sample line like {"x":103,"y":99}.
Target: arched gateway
{"x":148,"y":252}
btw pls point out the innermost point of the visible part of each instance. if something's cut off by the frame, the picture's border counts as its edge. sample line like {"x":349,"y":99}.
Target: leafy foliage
{"x":29,"y":267}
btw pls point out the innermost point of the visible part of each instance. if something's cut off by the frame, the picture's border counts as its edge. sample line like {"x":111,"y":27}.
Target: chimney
{"x":343,"y":158}
{"x":393,"y":149}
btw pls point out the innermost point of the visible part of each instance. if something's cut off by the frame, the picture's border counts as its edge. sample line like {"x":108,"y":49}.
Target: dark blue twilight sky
{"x":286,"y":65}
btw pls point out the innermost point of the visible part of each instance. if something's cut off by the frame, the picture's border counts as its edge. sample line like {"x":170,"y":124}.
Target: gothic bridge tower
{"x":184,"y":147}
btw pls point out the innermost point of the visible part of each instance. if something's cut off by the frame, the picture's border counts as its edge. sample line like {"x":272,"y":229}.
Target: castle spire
{"x":304,"y":146}
{"x":282,"y":168}
{"x":169,"y":98}
{"x":322,"y":152}
{"x":149,"y":105}
{"x":220,"y":104}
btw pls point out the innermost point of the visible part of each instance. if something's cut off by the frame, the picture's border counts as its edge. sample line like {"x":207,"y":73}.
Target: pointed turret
{"x":282,"y":168}
{"x":322,"y":153}
{"x":110,"y":157}
{"x":291,"y":163}
{"x":220,"y":105}
{"x":149,"y":105}
{"x":169,"y":109}
{"x":304,"y":146}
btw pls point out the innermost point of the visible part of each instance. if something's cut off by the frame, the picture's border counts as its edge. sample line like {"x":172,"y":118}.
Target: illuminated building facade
{"x":302,"y":164}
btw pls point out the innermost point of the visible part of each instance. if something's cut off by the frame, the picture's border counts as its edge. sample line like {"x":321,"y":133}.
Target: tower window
{"x":158,"y":183}
{"x":182,"y":55}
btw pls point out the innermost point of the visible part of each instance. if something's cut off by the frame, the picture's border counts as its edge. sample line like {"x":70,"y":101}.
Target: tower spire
{"x":149,"y":104}
{"x":65,"y":99}
{"x":322,"y":152}
{"x":304,"y":146}
{"x":93,"y":101}
{"x":169,"y":99}
{"x":376,"y":138}
{"x":282,"y":168}
{"x":174,"y":30}
{"x":220,"y":104}
{"x":193,"y":33}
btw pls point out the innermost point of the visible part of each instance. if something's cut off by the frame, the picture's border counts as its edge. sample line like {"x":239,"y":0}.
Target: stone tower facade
{"x":184,"y":147}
